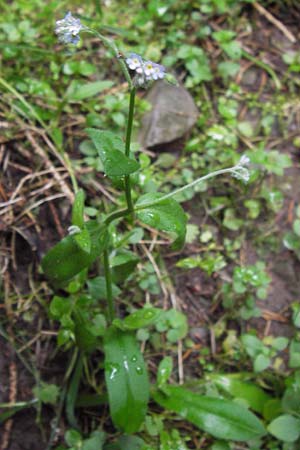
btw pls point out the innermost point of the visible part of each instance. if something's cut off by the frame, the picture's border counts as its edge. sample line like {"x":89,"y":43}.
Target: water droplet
{"x":148,"y":314}
{"x":114,"y":369}
{"x":134,"y":358}
{"x":125,"y":364}
{"x":139,"y":370}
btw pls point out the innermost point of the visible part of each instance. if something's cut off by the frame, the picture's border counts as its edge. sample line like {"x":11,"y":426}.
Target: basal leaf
{"x":78,"y":91}
{"x":126,"y":380}
{"x":66,"y":259}
{"x":111,"y":150}
{"x":253,"y":394}
{"x":221,"y":418}
{"x":167,"y":216}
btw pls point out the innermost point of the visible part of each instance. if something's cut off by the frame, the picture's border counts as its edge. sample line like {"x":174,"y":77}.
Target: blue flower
{"x":68,"y":29}
{"x":146,"y":71}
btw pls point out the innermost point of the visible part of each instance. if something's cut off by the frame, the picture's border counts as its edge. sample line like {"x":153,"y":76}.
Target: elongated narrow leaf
{"x":78,"y":91}
{"x":66,"y":259}
{"x":254,"y":395}
{"x":126,"y":380}
{"x":167,"y":216}
{"x":221,"y":418}
{"x":111,"y":150}
{"x":78,"y":209}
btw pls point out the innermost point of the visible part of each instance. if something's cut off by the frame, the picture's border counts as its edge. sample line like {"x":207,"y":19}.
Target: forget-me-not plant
{"x":126,"y":375}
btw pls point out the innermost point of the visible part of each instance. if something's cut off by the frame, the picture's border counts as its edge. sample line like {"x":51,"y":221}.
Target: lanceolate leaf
{"x":111,"y":151}
{"x":221,"y":418}
{"x":167,"y":216}
{"x":78,"y":209}
{"x":66,"y":259}
{"x":253,"y":394}
{"x":126,"y":380}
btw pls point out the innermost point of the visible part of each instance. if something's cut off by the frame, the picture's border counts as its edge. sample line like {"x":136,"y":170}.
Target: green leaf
{"x":66,"y":259}
{"x":261,"y":362}
{"x":254,"y":395}
{"x":171,"y":441}
{"x":294,"y":354}
{"x":221,"y":418}
{"x":164,"y":371}
{"x":73,"y":437}
{"x":140,"y":319}
{"x":47,"y":393}
{"x":59,"y":306}
{"x":167,"y":216}
{"x":77,"y":91}
{"x":78,"y":209}
{"x":296,"y":227}
{"x":123,"y":264}
{"x":286,"y":428}
{"x":252,"y":344}
{"x":126,"y":380}
{"x":94,"y":442}
{"x":97,"y":288}
{"x":221,"y":445}
{"x":127,"y":443}
{"x":111,"y":150}
{"x":83,"y":240}
{"x":280,"y":343}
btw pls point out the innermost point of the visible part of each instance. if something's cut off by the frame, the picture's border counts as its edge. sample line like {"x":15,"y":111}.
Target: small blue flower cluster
{"x":146,"y":70}
{"x":68,"y":29}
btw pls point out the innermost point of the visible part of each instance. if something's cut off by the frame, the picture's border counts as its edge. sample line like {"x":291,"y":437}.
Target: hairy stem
{"x":124,"y":212}
{"x":110,"y":43}
{"x":127,"y":148}
{"x":232,"y":170}
{"x":108,"y":280}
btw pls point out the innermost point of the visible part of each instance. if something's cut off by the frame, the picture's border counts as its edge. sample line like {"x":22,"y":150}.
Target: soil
{"x":26,"y":238}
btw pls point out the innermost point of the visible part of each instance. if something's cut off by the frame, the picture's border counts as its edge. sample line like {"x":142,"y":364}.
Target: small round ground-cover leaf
{"x":285,"y":427}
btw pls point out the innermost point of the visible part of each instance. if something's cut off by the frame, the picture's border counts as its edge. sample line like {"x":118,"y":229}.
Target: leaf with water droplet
{"x":167,"y":216}
{"x":111,"y":150}
{"x":142,"y":318}
{"x":164,"y":371}
{"x":67,"y":258}
{"x":126,"y":380}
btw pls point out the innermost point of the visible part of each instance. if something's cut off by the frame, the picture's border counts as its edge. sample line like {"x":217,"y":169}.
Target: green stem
{"x":264,"y":66}
{"x":129,"y":121}
{"x":108,"y":279}
{"x":127,"y":180}
{"x":116,"y":215}
{"x":110,"y":43}
{"x":232,"y":170}
{"x":124,"y":212}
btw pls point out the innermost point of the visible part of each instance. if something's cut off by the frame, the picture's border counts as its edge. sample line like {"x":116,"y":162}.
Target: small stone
{"x":173,"y":114}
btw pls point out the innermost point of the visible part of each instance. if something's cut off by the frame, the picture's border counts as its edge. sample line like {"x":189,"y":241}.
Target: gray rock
{"x":172,"y":115}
